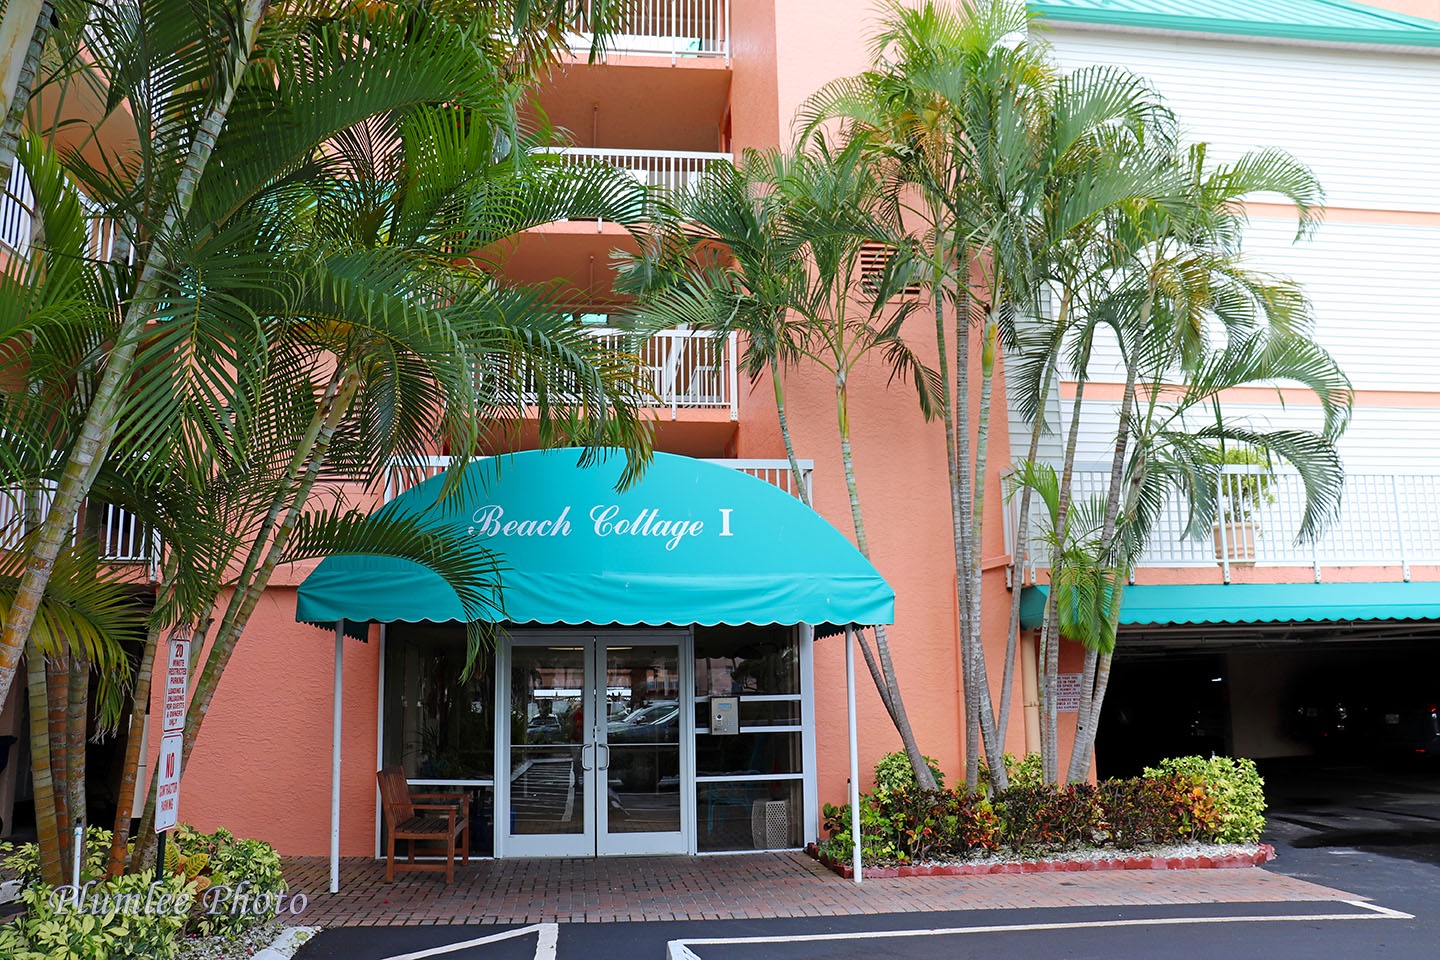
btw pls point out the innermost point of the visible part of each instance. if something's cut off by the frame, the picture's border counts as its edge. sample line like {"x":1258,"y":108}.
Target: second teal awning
{"x":690,"y":543}
{"x":1261,"y":603}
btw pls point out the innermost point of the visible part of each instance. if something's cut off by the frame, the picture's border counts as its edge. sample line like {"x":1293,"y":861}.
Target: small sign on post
{"x":172,"y":739}
{"x":167,"y":794}
{"x":177,"y":681}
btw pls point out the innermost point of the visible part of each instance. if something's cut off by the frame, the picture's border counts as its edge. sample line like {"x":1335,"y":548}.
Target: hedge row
{"x":1190,"y":799}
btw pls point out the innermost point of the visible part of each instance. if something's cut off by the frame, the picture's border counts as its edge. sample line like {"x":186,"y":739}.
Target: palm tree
{"x":1008,"y":168}
{"x":210,"y":138}
{"x":836,"y":200}
{"x":1167,"y":271}
{"x":228,"y":282}
{"x":727,"y":261}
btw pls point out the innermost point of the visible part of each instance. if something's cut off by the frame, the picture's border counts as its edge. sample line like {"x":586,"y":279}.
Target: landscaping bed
{"x":215,"y":896}
{"x":1189,"y":812}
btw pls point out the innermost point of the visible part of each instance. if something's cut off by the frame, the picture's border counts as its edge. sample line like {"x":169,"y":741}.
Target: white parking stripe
{"x":680,"y":949}
{"x":547,"y":936}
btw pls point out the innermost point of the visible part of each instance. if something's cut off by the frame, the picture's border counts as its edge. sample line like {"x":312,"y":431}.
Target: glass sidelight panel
{"x":438,"y":726}
{"x":549,"y":753}
{"x":640,"y":757}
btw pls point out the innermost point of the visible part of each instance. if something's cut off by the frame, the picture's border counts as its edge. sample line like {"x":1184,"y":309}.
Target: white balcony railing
{"x":404,"y":474}
{"x":674,"y":170}
{"x":120,"y":536}
{"x":1383,"y":520}
{"x":678,"y":369}
{"x":686,"y":369}
{"x":663,"y":28}
{"x":17,"y":220}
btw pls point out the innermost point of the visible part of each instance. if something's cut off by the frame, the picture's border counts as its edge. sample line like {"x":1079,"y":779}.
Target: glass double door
{"x":597,"y":753}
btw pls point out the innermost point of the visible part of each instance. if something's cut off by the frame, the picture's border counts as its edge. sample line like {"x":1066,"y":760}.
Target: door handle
{"x":585,"y":763}
{"x":606,"y":748}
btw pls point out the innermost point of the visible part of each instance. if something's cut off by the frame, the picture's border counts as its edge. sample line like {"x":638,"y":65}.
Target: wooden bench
{"x":444,"y":818}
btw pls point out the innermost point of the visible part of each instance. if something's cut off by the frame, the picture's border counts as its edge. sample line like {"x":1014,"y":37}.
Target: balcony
{"x":663,"y":28}
{"x":1383,"y":520}
{"x":120,"y":536}
{"x":17,"y":221}
{"x":402,"y":475}
{"x":673,"y":170}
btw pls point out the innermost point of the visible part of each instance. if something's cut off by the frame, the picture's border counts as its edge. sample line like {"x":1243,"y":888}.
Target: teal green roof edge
{"x":1162,"y":604}
{"x":1392,"y":29}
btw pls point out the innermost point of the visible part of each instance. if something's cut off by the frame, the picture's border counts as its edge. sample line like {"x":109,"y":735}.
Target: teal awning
{"x":1261,"y":603}
{"x":691,"y":542}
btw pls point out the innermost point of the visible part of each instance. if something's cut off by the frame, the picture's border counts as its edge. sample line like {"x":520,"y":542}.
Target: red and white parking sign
{"x":167,"y":797}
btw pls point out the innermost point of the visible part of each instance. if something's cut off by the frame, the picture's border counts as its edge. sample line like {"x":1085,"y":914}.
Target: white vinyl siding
{"x":1374,"y":289}
{"x":1380,"y":439}
{"x":1367,"y":123}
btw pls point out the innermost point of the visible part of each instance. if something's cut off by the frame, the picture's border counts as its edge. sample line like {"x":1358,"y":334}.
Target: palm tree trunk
{"x":1087,"y":722}
{"x":134,"y":743}
{"x":1050,"y":627}
{"x":964,"y":499}
{"x":42,"y":776}
{"x":40,"y":16}
{"x":1020,"y":559}
{"x":798,"y":478}
{"x":77,"y":713}
{"x":924,"y":779}
{"x":98,"y":430}
{"x":984,"y":706}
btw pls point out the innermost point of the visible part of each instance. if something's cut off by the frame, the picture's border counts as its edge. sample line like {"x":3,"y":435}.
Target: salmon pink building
{"x":670,"y":674}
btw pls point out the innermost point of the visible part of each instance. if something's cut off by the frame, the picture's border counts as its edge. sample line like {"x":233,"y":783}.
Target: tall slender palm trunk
{"x":1087,"y":721}
{"x":1050,"y":626}
{"x":984,"y":705}
{"x":13,"y":30}
{"x":134,"y":743}
{"x":42,"y":771}
{"x":797,"y":477}
{"x":924,"y":779}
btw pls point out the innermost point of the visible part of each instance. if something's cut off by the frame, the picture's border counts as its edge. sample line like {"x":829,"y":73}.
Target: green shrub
{"x":1029,"y":772}
{"x":893,"y":774}
{"x":129,"y":917}
{"x":223,"y":867}
{"x":1228,"y":796}
{"x":24,"y":860}
{"x":202,"y":861}
{"x":1148,"y":811}
{"x":944,"y":824}
{"x":1049,"y":819}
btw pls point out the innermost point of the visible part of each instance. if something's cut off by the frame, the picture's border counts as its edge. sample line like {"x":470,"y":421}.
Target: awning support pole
{"x":335,"y":758}
{"x":854,"y":751}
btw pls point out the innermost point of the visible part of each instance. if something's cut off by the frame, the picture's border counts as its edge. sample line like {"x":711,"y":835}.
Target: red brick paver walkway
{"x":748,"y":886}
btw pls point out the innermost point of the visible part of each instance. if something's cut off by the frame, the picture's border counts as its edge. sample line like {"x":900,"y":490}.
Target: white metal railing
{"x":120,"y":536}
{"x":680,"y":369}
{"x":674,"y":170}
{"x":1383,"y":520}
{"x":17,"y":220}
{"x":686,"y":368}
{"x":666,"y":28}
{"x":404,"y":474}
